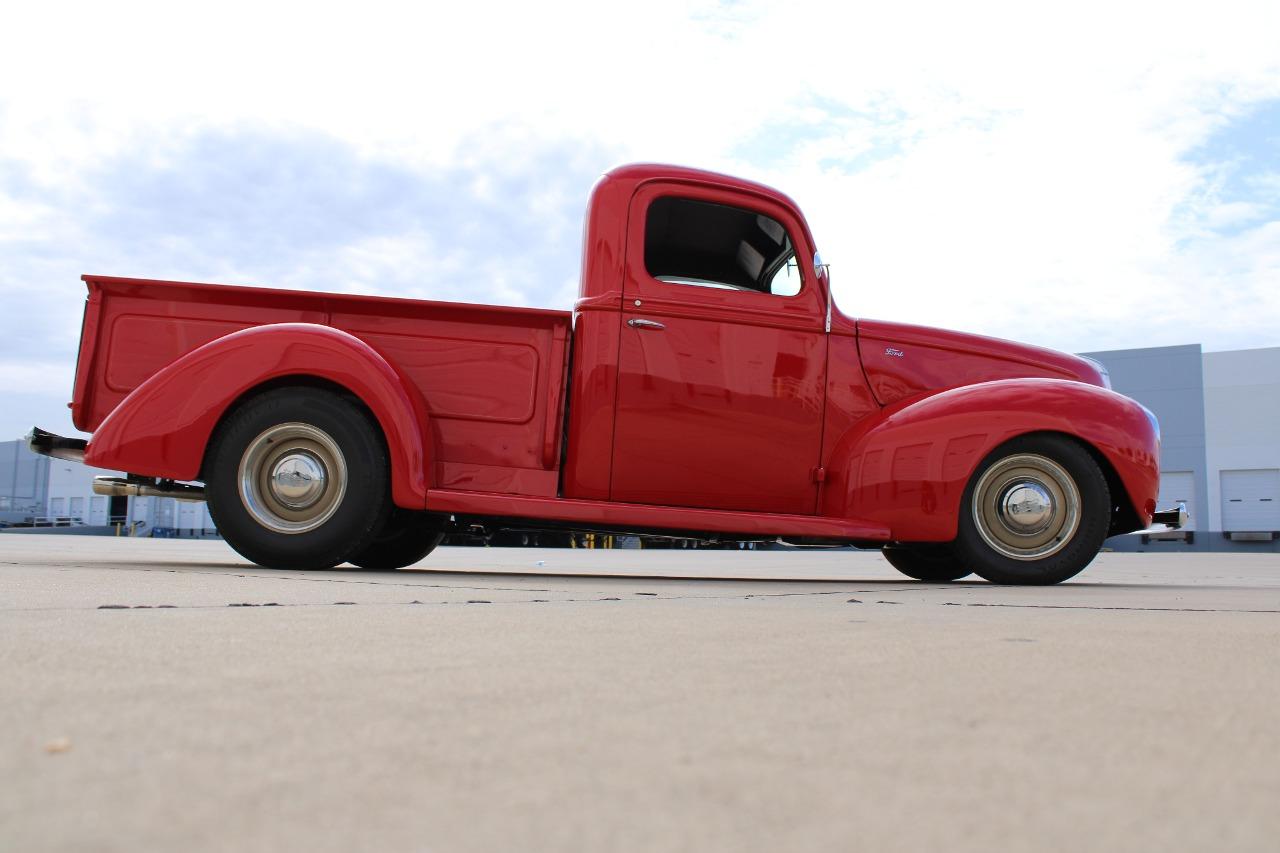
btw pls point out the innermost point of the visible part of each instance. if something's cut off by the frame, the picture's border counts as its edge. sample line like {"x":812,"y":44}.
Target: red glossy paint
{"x":593,"y":395}
{"x":742,"y":415}
{"x":849,"y":398}
{"x":492,"y":379}
{"x":908,"y":465}
{"x":903,"y":361}
{"x":632,"y":517}
{"x":734,"y":376}
{"x":164,"y":425}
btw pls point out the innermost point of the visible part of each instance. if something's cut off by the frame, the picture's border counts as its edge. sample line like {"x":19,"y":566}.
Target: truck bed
{"x":492,"y":378}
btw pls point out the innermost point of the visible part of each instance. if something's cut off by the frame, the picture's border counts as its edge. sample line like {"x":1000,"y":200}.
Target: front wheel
{"x":1035,"y":512}
{"x":297,"y":478}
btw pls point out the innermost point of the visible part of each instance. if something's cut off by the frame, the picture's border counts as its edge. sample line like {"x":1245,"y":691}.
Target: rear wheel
{"x":297,"y":478}
{"x":405,"y":539}
{"x":1036,"y":512}
{"x":932,"y":563}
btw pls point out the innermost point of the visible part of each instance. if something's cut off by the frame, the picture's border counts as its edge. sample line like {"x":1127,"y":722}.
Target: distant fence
{"x":180,"y":533}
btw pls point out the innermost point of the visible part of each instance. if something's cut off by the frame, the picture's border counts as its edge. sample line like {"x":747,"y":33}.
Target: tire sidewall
{"x":365,"y":502}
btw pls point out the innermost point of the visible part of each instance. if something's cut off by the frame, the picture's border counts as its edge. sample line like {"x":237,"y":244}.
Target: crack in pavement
{"x":648,"y":596}
{"x":644,"y":596}
{"x":1100,"y":607}
{"x":412,"y":585}
{"x":274,"y":577}
{"x":883,"y":586}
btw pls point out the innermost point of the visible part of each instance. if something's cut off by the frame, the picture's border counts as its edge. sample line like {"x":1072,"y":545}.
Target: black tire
{"x":298,"y":478}
{"x":932,"y":563}
{"x":1035,"y":512}
{"x":405,"y":538}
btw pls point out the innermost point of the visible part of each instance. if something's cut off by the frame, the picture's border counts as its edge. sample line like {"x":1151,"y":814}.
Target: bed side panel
{"x":493,"y":379}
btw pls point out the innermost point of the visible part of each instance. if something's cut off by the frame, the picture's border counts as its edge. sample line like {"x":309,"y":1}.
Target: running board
{"x":625,"y":516}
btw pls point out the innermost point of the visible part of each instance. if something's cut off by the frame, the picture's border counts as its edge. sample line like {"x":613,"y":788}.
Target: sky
{"x":1087,"y":176}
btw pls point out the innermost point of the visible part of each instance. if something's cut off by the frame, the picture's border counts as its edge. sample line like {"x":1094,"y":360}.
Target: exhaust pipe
{"x":118,"y":487}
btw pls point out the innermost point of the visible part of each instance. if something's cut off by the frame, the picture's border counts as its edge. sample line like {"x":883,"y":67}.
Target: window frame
{"x":767,"y":273}
{"x":806,"y":306}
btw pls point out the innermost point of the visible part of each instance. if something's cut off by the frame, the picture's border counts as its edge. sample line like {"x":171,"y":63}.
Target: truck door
{"x":722,"y":358}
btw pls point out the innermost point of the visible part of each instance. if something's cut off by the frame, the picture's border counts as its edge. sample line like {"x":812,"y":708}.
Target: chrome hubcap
{"x":292,"y":478}
{"x":1026,"y":506}
{"x":298,"y":480}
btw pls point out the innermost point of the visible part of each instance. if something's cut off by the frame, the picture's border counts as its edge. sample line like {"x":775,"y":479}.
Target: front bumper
{"x":1175,"y":518}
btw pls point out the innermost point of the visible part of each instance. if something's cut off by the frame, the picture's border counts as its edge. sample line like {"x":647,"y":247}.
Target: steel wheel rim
{"x":292,"y":478}
{"x":1026,"y":507}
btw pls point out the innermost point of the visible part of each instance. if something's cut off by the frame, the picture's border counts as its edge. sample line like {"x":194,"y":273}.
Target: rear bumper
{"x":47,"y":444}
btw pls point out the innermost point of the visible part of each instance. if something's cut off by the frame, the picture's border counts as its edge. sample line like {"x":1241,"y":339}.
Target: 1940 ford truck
{"x":704,"y":385}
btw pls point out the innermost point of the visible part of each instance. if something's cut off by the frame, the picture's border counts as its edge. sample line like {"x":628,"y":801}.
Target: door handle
{"x":639,"y":323}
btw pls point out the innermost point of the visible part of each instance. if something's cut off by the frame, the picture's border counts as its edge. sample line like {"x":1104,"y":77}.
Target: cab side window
{"x":715,"y":245}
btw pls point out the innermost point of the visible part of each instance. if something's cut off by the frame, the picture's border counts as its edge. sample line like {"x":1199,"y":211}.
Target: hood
{"x":903,"y":360}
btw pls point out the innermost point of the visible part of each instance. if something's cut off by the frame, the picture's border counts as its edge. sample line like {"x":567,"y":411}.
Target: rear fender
{"x":163,"y":427}
{"x":908,"y":466}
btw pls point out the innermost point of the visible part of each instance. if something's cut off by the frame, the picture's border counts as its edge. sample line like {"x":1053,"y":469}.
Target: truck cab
{"x":715,"y":334}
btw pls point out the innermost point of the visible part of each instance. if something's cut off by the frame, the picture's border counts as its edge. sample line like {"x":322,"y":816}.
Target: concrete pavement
{"x":163,"y":694}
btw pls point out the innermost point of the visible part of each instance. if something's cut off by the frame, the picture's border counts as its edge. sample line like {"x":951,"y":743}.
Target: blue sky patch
{"x":1242,"y":161}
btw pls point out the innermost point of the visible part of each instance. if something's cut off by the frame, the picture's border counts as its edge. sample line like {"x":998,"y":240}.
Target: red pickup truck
{"x":704,"y":385}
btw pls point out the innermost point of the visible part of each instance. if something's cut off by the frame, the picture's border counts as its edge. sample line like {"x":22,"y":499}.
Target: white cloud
{"x":1030,"y":171}
{"x":1038,"y":183}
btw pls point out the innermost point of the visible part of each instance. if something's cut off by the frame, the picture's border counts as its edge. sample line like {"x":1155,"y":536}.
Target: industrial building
{"x":24,"y":483}
{"x":37,"y":492}
{"x":1220,"y":455}
{"x":1220,"y":442}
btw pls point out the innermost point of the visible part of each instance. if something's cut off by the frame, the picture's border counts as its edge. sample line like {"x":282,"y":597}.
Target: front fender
{"x":908,"y":466}
{"x":162,"y":428}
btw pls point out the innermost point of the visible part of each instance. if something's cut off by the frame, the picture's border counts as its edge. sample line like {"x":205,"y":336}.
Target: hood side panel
{"x":903,"y":361}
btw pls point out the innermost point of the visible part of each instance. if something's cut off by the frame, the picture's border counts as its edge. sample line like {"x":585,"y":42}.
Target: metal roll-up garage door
{"x":1251,"y":500}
